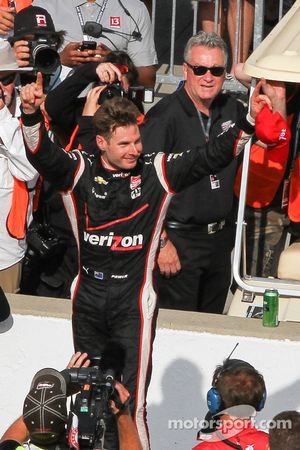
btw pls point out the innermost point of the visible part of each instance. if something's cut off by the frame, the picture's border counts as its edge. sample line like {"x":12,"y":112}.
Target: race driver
{"x":116,"y":202}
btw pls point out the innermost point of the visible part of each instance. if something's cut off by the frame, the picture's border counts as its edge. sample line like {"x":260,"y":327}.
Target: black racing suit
{"x":117,"y":218}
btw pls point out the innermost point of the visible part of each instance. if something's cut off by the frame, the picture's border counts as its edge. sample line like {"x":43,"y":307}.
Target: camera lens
{"x":46,"y":59}
{"x":110,"y":92}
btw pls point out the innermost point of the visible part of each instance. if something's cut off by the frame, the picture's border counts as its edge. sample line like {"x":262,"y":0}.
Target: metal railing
{"x":192,"y":9}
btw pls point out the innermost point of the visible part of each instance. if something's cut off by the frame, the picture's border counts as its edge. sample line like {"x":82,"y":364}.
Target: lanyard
{"x":207,"y":128}
{"x":98,"y":18}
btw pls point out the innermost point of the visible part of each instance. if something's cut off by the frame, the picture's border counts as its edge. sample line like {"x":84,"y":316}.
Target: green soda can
{"x":270,"y":308}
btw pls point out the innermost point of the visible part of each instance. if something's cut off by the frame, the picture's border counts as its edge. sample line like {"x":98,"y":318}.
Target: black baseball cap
{"x":45,"y":407}
{"x":32,"y":20}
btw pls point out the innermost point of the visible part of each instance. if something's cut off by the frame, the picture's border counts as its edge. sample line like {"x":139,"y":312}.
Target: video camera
{"x":135,"y":93}
{"x":44,"y":56}
{"x":91,"y":406}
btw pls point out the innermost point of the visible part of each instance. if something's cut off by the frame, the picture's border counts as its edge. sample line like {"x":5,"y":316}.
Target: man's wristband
{"x":163,"y":241}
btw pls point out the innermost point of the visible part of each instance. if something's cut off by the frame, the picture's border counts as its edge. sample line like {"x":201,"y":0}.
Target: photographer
{"x":36,"y":42}
{"x":65,"y":115}
{"x":44,"y":429}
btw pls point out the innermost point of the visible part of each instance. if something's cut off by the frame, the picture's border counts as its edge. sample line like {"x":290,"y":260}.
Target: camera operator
{"x":48,"y":430}
{"x":36,"y":42}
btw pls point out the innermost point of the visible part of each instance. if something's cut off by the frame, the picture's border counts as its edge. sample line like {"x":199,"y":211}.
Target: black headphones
{"x":214,"y":399}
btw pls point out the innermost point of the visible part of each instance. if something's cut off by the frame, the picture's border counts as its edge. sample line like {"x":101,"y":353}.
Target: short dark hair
{"x":286,"y":434}
{"x":114,"y":113}
{"x":239,"y":385}
{"x":119,"y":57}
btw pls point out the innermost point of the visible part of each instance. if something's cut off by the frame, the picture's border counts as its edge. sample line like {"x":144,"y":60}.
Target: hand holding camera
{"x":22,"y":53}
{"x":108,"y":73}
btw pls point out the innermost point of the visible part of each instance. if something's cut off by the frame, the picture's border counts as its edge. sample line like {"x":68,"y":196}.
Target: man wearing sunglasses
{"x":194,"y":259}
{"x":17,"y":176}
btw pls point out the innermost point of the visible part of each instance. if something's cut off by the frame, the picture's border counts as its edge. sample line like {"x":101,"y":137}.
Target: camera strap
{"x":98,"y":18}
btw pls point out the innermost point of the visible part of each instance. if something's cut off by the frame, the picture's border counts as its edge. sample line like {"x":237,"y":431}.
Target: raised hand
{"x":22,"y":53}
{"x":91,"y":104}
{"x":32,"y":95}
{"x":270,"y":93}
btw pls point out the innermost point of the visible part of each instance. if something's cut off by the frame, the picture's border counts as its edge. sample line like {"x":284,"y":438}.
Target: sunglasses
{"x":216,"y":71}
{"x":8,"y":79}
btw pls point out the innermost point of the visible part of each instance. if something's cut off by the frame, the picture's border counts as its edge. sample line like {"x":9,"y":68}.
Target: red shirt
{"x":249,"y":439}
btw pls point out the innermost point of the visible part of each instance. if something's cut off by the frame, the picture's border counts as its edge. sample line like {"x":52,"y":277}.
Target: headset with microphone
{"x":95,"y":29}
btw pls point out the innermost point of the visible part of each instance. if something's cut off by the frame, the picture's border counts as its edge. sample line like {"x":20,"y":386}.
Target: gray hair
{"x":209,"y":40}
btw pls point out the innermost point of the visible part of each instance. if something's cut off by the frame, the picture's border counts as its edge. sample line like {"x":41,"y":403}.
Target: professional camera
{"x":44,"y":56}
{"x":42,"y":241}
{"x":135,"y":93}
{"x":91,"y":406}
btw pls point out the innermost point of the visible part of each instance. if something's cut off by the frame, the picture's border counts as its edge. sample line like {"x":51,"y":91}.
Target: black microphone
{"x":137,"y":35}
{"x":96,"y":30}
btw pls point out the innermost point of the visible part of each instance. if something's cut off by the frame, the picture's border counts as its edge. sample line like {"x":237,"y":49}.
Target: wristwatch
{"x":163,"y":241}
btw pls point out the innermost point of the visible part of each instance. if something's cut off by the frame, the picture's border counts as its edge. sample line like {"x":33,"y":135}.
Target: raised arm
{"x":51,"y":161}
{"x":188,"y":167}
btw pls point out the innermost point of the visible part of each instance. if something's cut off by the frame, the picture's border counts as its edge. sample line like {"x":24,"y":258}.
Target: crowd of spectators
{"x":74,"y":63}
